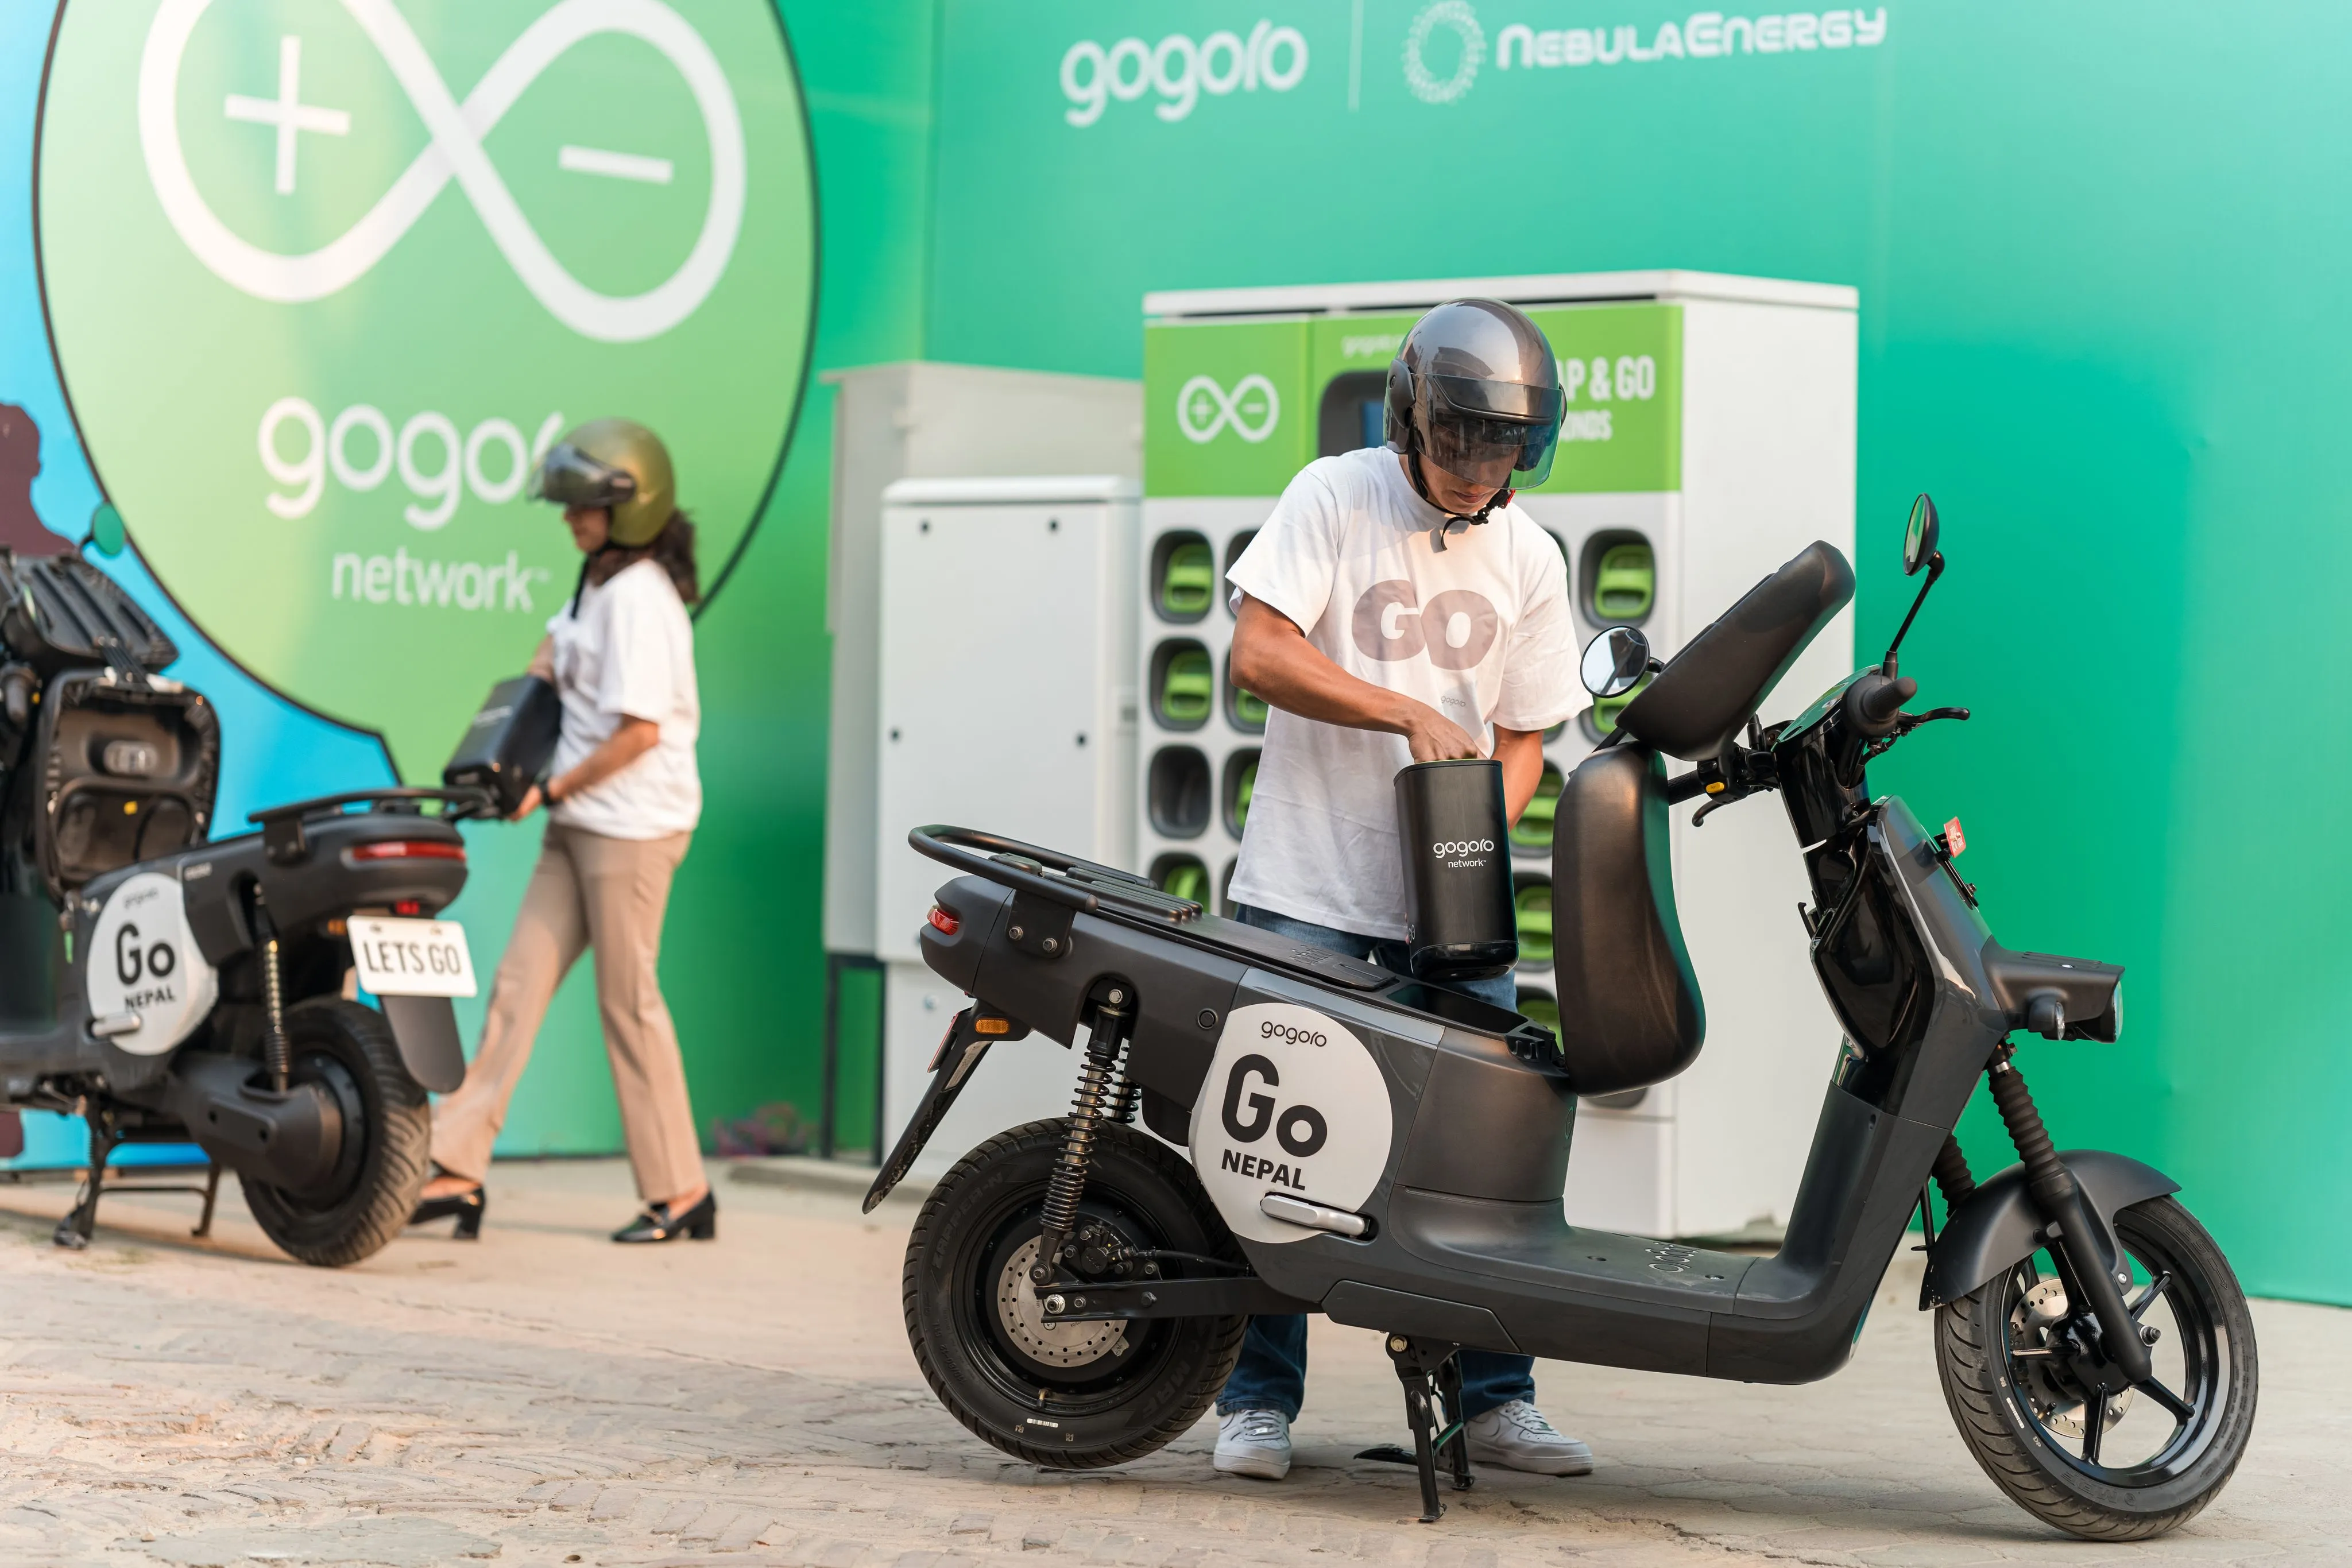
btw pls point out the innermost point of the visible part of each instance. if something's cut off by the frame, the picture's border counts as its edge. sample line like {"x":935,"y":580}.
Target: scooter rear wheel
{"x":1073,"y":1395}
{"x":387,"y":1134}
{"x":2163,"y":1449}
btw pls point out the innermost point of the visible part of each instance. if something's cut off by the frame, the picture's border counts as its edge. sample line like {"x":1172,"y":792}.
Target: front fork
{"x":2076,"y":1241}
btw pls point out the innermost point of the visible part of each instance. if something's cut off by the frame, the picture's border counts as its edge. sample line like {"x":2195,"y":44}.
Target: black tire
{"x":1113,"y":1392}
{"x":387,"y":1134}
{"x":2025,"y":1417}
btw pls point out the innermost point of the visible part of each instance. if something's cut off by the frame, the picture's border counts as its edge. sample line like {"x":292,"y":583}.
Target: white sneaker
{"x":1255,"y":1443}
{"x":1518,"y":1438}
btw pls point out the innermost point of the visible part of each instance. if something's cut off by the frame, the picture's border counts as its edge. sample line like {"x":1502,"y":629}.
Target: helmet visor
{"x":570,"y":478}
{"x":1493,"y":454}
{"x":1498,"y":435}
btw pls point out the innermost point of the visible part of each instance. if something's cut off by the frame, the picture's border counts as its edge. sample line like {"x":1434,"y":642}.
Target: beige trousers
{"x":587,"y":890}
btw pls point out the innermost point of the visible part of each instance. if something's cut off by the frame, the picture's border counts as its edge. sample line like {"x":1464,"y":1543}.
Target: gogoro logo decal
{"x":1445,"y":45}
{"x":1179,"y":70}
{"x":1203,"y":408}
{"x":455,"y":152}
{"x":325,"y":277}
{"x":1456,"y":848}
{"x":1293,"y":1035}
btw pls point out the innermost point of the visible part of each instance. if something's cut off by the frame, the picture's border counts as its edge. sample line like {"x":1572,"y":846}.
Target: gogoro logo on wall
{"x":1179,"y":70}
{"x":1250,"y":411}
{"x":455,"y":151}
{"x":1445,"y":45}
{"x":326,"y":278}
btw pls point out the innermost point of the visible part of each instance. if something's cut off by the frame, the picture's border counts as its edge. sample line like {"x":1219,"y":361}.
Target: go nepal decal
{"x":1294,"y":1105}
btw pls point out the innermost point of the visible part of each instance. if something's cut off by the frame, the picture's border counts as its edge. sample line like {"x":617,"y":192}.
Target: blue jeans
{"x":1272,"y":1372}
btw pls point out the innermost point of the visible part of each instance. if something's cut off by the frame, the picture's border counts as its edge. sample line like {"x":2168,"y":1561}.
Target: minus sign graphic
{"x":615,"y":165}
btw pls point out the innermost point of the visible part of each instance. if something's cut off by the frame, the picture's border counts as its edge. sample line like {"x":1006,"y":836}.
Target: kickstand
{"x":1431,"y":1376}
{"x":74,"y":1231}
{"x":212,"y":1194}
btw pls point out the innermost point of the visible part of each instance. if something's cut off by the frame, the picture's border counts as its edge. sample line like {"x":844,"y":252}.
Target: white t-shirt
{"x":630,"y":652}
{"x":1481,"y":631}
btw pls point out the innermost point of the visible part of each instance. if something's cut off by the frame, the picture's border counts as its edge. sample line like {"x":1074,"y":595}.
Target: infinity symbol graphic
{"x":1228,"y":408}
{"x":456,"y":152}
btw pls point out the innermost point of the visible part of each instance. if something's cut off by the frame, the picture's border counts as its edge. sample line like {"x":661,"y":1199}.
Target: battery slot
{"x":1245,"y":711}
{"x":1352,"y":413}
{"x":1617,"y":577}
{"x":1532,"y":834}
{"x":1531,"y":906}
{"x":1602,"y":716}
{"x":1183,"y":684}
{"x":1539,"y":1005}
{"x":1182,"y":876}
{"x":1183,"y":577}
{"x":1176,"y":792}
{"x":1240,"y":783}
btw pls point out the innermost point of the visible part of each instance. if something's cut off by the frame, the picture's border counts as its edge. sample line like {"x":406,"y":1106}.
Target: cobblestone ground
{"x":544,"y":1397}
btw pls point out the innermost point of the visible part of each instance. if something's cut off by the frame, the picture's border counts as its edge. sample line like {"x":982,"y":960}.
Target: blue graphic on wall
{"x":271,"y":750}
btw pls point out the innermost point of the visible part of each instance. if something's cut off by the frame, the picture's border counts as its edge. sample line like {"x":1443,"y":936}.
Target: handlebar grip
{"x":1873,"y":702}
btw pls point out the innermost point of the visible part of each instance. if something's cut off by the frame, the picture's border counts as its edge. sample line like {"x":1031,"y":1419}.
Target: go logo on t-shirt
{"x":1458,"y":631}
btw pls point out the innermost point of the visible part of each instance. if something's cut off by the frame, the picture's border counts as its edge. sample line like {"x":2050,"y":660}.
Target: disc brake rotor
{"x":1065,"y":1345}
{"x":2058,"y":1400}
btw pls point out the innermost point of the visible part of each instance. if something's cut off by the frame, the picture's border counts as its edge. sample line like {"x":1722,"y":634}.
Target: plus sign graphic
{"x":287,"y":112}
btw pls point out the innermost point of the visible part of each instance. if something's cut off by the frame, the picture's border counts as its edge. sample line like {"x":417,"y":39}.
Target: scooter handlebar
{"x":1873,"y":703}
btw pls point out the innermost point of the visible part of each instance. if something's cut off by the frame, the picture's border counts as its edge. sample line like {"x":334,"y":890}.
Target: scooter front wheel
{"x":348,"y":1050}
{"x":1071,"y":1396}
{"x":2122,"y":1466}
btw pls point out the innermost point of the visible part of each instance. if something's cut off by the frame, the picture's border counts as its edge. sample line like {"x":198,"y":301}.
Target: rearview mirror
{"x":106,"y":529}
{"x":1615,"y":662}
{"x":1919,"y":537}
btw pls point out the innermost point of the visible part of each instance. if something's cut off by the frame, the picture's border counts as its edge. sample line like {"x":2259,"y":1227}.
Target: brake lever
{"x":1912,"y":721}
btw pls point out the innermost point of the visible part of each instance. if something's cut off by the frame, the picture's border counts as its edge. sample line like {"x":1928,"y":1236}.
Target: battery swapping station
{"x":964,"y":498}
{"x":1710,"y":436}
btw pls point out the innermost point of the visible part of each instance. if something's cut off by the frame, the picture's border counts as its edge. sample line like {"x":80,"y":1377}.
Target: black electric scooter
{"x":168,"y":990}
{"x":1393,"y":1154}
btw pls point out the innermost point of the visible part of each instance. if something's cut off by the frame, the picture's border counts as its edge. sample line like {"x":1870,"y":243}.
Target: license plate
{"x":412,"y":957}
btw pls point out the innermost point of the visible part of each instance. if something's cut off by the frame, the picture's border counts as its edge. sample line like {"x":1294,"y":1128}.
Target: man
{"x":1397,"y":608}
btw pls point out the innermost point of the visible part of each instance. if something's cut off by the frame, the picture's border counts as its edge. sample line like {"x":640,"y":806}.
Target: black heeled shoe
{"x":468,"y":1207}
{"x":699,"y":1223}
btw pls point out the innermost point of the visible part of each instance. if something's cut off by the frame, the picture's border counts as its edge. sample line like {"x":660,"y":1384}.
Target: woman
{"x":622,"y":797}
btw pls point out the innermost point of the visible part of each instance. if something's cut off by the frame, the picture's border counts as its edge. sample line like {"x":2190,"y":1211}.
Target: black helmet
{"x":1474,"y":389}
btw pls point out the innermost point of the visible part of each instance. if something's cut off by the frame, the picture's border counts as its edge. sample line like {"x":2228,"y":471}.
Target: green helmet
{"x":613,"y":463}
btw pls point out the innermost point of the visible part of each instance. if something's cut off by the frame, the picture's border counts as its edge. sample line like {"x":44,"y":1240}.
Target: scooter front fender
{"x":1997,"y":1228}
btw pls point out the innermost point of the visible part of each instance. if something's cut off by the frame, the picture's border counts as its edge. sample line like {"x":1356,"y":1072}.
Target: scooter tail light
{"x":943,"y":922}
{"x":408,"y":849}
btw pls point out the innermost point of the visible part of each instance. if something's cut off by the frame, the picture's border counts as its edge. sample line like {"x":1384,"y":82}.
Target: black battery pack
{"x":1453,"y":829}
{"x":508,"y":747}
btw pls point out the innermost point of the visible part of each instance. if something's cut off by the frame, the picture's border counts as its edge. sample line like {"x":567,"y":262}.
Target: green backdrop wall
{"x":2095,"y":247}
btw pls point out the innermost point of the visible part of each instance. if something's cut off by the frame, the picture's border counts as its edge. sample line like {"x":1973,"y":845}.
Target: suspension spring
{"x":275,"y":1048}
{"x":1103,"y":1093}
{"x":1953,"y":1178}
